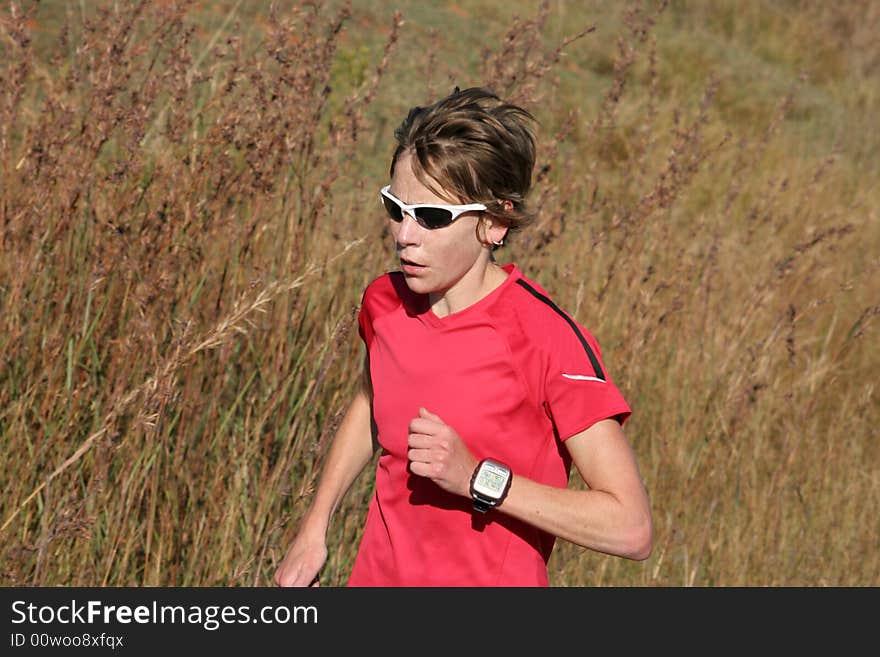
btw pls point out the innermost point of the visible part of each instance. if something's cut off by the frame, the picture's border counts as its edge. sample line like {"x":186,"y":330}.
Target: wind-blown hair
{"x":478,"y":148}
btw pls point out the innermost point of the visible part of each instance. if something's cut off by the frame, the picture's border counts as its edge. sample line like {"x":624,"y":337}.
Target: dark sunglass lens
{"x":392,"y":209}
{"x":434,"y":217}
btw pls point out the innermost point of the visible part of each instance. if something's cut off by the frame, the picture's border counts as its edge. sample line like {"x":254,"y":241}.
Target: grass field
{"x":189,"y":214}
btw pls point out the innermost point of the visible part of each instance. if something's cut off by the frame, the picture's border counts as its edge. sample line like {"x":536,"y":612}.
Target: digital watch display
{"x":489,"y":484}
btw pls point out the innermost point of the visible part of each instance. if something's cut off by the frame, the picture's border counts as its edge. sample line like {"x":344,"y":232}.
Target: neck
{"x":466,"y":292}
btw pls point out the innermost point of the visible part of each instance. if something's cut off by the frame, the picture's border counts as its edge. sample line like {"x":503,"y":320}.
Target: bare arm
{"x":349,"y":453}
{"x":613,"y":516}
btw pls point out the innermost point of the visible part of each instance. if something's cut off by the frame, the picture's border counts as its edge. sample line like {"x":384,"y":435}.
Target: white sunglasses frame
{"x":455,"y":210}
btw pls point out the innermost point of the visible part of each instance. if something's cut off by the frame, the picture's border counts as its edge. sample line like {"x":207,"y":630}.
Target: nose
{"x":408,"y":231}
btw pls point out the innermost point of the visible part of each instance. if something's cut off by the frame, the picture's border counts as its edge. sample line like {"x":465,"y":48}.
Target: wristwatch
{"x":489,"y":484}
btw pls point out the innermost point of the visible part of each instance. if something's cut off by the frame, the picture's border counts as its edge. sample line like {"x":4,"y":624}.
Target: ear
{"x":493,"y":231}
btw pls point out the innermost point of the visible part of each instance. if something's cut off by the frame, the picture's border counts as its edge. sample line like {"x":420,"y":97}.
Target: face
{"x":445,"y":263}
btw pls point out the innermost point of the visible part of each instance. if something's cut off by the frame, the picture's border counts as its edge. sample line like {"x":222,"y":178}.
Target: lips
{"x":410,"y":267}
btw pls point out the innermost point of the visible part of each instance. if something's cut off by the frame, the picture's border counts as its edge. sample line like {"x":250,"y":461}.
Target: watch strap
{"x":481,"y":506}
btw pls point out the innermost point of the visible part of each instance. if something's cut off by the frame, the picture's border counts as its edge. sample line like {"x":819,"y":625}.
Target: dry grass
{"x":186,"y":229}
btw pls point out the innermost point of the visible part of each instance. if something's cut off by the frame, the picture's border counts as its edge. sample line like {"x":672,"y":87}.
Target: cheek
{"x":463,"y":251}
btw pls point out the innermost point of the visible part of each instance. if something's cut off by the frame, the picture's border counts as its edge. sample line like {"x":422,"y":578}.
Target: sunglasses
{"x":427,"y":215}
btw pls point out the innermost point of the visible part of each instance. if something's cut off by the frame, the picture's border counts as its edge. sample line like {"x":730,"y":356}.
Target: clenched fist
{"x":437,"y":452}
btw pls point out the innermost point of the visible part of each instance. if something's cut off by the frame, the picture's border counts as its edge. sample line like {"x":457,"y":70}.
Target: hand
{"x":437,"y":452}
{"x":301,"y":564}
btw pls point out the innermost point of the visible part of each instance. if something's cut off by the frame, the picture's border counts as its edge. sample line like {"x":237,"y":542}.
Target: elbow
{"x":639,"y":540}
{"x":641,"y":549}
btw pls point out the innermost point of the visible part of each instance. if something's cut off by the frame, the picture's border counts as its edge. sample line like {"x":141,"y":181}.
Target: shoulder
{"x":539,"y":313}
{"x":386,"y":293}
{"x":379,"y":287}
{"x":551,"y":329}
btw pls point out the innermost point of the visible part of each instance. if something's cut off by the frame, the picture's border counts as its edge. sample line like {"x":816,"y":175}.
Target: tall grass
{"x":188,"y":219}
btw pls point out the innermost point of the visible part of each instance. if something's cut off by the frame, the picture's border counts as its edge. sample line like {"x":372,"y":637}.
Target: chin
{"x":416,"y":284}
{"x":421,"y":285}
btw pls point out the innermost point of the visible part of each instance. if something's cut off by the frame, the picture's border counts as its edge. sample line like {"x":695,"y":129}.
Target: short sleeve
{"x":380,"y":297}
{"x":365,"y":321}
{"x":579,"y":392}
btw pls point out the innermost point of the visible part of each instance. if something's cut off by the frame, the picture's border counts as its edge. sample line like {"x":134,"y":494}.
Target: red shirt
{"x":515,"y":376}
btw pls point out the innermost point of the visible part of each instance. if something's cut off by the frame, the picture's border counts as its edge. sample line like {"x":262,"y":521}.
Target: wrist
{"x":314,"y":526}
{"x":489,"y":485}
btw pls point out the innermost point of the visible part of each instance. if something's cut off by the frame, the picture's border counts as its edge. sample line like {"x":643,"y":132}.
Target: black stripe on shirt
{"x":574,"y":327}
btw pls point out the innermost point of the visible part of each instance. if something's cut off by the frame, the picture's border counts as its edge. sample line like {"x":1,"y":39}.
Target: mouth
{"x":410,"y":266}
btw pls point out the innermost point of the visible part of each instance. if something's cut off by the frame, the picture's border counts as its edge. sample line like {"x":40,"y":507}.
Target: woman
{"x":478,"y":389}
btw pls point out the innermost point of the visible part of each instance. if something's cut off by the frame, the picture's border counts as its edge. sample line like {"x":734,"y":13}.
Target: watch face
{"x":491,"y":480}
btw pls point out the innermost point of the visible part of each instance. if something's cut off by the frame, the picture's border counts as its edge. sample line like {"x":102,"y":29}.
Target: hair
{"x":478,"y":148}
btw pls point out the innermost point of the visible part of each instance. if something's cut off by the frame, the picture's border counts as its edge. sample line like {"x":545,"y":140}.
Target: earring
{"x":499,"y":242}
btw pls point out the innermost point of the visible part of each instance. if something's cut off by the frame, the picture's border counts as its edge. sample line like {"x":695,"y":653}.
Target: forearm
{"x":349,"y":453}
{"x":594,"y":519}
{"x":612,"y":517}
